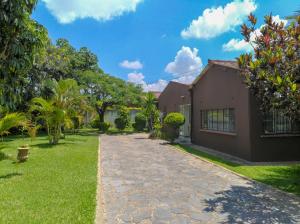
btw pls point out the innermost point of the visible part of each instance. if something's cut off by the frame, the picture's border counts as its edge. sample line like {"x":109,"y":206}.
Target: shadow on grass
{"x":49,"y":146}
{"x":253,"y":204}
{"x":10,"y":175}
{"x":207,"y":156}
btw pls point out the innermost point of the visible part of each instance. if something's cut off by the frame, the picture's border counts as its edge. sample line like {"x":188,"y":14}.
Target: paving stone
{"x":147,"y":181}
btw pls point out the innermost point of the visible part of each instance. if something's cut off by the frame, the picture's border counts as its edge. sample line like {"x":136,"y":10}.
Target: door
{"x":185,"y":129}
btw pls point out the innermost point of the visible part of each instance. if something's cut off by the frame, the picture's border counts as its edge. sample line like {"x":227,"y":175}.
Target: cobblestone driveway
{"x":146,"y":181}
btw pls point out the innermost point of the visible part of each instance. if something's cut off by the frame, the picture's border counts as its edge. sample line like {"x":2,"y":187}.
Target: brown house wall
{"x":175,"y":94}
{"x":271,"y":148}
{"x":221,"y":88}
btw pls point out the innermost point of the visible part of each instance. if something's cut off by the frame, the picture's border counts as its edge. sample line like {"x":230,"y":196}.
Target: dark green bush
{"x":124,"y":119}
{"x":95,"y":123}
{"x":140,"y":122}
{"x":104,"y":126}
{"x":172,"y":123}
{"x":120,"y":123}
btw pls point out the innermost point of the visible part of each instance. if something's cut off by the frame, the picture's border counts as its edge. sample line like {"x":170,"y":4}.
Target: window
{"x":276,"y":123}
{"x":218,"y":120}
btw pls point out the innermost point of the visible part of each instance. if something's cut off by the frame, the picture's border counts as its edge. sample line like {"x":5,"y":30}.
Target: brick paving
{"x":148,"y":181}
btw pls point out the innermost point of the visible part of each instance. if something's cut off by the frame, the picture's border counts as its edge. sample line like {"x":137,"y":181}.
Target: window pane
{"x":210,"y":121}
{"x":215,"y":120}
{"x":226,"y":120}
{"x":220,"y":120}
{"x":231,"y":120}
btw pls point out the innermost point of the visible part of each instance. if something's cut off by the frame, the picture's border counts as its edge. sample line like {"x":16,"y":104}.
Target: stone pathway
{"x":147,"y":181}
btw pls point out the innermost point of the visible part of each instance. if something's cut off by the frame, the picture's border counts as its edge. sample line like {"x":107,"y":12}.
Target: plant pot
{"x":23,"y":153}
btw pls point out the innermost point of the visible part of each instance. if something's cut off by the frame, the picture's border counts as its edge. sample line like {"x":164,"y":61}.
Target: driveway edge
{"x":99,"y":217}
{"x":294,"y":196}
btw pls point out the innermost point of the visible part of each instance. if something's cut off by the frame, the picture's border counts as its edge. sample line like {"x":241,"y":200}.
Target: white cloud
{"x":242,"y":45}
{"x":184,"y":69}
{"x":186,"y":65}
{"x":215,"y":21}
{"x":66,"y":11}
{"x":138,"y":78}
{"x":131,"y":64}
{"x":237,"y":45}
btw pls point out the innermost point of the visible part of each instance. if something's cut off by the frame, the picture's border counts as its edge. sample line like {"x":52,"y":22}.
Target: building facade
{"x":225,"y":116}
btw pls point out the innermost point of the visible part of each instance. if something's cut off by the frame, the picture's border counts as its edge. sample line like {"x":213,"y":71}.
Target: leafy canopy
{"x":273,"y":70}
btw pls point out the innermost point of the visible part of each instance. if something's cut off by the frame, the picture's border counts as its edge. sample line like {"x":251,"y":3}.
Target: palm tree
{"x":9,"y":121}
{"x":295,"y":16}
{"x":58,"y":111}
{"x":52,"y":115}
{"x":150,"y":110}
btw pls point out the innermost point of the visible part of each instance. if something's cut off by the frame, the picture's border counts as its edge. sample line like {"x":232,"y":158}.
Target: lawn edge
{"x":237,"y":174}
{"x":99,"y":216}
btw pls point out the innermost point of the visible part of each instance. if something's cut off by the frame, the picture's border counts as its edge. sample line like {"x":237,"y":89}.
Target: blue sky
{"x":151,"y":42}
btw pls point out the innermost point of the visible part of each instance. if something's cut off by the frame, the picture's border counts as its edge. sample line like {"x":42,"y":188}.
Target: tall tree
{"x":20,"y":39}
{"x":273,"y":71}
{"x":104,"y":91}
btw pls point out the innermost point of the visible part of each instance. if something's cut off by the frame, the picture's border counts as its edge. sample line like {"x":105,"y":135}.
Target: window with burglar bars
{"x":218,"y":120}
{"x":276,"y":123}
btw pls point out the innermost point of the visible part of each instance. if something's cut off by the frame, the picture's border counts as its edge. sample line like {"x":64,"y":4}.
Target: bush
{"x":172,"y":123}
{"x":156,"y":132}
{"x":120,"y":123}
{"x":104,"y":126}
{"x":124,"y":119}
{"x":95,"y":123}
{"x":140,"y":122}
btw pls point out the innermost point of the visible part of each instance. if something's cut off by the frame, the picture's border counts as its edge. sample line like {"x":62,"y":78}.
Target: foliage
{"x":124,"y":119}
{"x":95,"y":123}
{"x":140,"y":122}
{"x":172,"y":123}
{"x":9,"y":121}
{"x":51,"y":170}
{"x":58,"y":111}
{"x":150,"y":110}
{"x":21,"y":38}
{"x":273,"y":71}
{"x":156,"y":132}
{"x":32,"y":130}
{"x":104,"y":126}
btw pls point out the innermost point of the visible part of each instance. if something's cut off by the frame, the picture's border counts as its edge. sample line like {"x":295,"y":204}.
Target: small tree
{"x":273,"y":71}
{"x":172,"y":123}
{"x":140,"y":122}
{"x":9,"y":121}
{"x":123,"y":120}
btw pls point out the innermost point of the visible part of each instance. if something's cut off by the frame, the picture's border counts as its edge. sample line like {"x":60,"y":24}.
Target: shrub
{"x":95,"y":123}
{"x":172,"y":123}
{"x":156,"y":132}
{"x":140,"y":122}
{"x":120,"y":123}
{"x":104,"y":126}
{"x":124,"y":119}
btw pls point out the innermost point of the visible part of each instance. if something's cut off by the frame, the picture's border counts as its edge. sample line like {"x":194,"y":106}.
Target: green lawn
{"x":286,"y":178}
{"x":56,"y":185}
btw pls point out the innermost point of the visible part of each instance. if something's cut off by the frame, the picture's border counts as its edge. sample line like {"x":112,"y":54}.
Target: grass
{"x":286,"y":178}
{"x":56,"y":185}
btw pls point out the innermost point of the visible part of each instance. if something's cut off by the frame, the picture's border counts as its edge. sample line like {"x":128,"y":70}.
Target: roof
{"x":230,"y":64}
{"x":224,"y":63}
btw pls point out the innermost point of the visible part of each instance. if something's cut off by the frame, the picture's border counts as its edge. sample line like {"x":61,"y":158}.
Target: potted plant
{"x":23,"y":153}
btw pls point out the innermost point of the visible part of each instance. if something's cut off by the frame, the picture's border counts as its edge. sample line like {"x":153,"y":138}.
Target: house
{"x":176,"y":98}
{"x":112,"y":114}
{"x":225,"y":116}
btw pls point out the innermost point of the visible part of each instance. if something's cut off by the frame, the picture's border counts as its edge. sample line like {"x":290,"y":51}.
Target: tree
{"x":9,"y":121}
{"x":20,"y":40}
{"x":172,"y":123}
{"x":273,"y":71}
{"x":150,"y":110}
{"x":103,"y":91}
{"x":58,"y":111}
